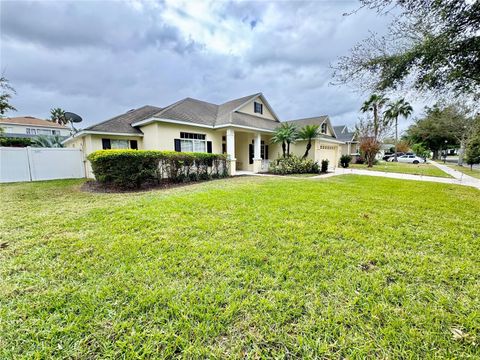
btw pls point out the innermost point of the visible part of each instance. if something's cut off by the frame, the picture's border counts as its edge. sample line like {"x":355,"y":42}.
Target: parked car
{"x":389,"y":157}
{"x":392,"y":158}
{"x":411,"y":159}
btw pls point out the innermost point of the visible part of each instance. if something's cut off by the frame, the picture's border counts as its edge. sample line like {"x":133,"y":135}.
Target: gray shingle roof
{"x":317,"y":120}
{"x":224,"y":110}
{"x":122,"y":123}
{"x":197,"y":112}
{"x":343,"y":133}
{"x":190,"y":110}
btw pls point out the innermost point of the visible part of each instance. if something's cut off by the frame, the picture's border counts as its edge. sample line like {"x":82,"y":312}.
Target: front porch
{"x":248,"y":151}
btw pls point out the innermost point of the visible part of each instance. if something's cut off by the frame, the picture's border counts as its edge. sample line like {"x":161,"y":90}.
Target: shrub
{"x":359,"y":160}
{"x":15,"y":142}
{"x":345,"y":160}
{"x":293,"y":165}
{"x":133,"y":168}
{"x":324,"y":166}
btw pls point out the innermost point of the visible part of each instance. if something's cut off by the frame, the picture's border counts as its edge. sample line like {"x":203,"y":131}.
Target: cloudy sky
{"x":100,"y":59}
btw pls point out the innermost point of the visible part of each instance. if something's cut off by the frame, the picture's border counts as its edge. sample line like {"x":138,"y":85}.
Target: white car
{"x":411,"y":159}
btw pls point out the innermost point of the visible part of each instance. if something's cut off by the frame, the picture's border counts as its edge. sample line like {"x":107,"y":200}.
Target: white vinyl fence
{"x":34,"y":164}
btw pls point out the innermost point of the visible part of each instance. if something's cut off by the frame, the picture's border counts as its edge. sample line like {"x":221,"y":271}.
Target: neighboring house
{"x":29,"y":127}
{"x":241,"y":128}
{"x":350,"y":144}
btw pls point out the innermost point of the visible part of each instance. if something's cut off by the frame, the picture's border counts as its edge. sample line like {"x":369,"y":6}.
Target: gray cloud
{"x":103,"y":58}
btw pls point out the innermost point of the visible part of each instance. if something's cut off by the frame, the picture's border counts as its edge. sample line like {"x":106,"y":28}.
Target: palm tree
{"x":48,"y":141}
{"x":58,"y":116}
{"x":308,"y":132}
{"x":393,"y":112}
{"x":374,"y":104}
{"x":285,"y":134}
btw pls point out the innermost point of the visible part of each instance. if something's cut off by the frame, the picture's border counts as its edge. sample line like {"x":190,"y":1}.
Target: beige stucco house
{"x":241,"y":128}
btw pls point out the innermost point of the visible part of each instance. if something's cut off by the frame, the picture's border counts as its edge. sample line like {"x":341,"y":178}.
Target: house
{"x":241,"y":128}
{"x":29,"y":127}
{"x":350,"y":144}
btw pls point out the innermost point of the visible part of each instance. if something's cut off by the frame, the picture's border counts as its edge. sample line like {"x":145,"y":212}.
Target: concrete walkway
{"x":464,"y":180}
{"x":459,"y":178}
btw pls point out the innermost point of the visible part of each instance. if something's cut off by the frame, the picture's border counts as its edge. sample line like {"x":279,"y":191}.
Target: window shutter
{"x":134,"y":144}
{"x":250,"y":154}
{"x":106,"y":144}
{"x":177,"y":145}
{"x":266,"y":152}
{"x":209,"y":147}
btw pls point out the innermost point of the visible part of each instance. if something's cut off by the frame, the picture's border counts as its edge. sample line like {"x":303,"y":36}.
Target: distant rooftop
{"x":30,"y":120}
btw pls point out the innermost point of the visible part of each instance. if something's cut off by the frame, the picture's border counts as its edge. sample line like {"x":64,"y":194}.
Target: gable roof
{"x":30,"y":120}
{"x":316,"y":120}
{"x":202,"y":113}
{"x":343,"y":133}
{"x":123,"y":123}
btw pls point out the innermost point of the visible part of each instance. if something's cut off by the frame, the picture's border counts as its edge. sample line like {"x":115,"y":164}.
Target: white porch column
{"x":230,"y":137}
{"x":257,"y":159}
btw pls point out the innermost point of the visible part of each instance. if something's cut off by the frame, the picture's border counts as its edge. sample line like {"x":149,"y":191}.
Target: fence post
{"x":30,"y":162}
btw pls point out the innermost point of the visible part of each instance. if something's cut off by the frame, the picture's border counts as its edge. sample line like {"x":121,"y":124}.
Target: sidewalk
{"x":458,"y":175}
{"x":465,"y":180}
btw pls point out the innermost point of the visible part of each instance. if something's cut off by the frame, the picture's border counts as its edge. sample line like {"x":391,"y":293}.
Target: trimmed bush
{"x":293,"y":165}
{"x":15,"y":142}
{"x":324,"y":166}
{"x":345,"y":160}
{"x":132,"y":168}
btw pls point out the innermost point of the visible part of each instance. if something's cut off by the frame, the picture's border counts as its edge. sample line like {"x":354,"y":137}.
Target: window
{"x":44,"y":132}
{"x":56,"y":132}
{"x":31,"y":131}
{"x":257,"y":108}
{"x":324,"y":128}
{"x":263,"y":151}
{"x":119,"y":144}
{"x":192,"y":142}
{"x":115,"y":144}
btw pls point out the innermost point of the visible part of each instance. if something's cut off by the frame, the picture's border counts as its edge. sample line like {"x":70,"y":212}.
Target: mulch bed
{"x":96,"y":187}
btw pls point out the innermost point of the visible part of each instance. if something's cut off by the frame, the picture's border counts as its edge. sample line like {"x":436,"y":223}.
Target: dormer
{"x":258,"y":107}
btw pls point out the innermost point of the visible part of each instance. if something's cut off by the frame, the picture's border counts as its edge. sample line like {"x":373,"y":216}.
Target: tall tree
{"x":393,"y":111}
{"x":57,"y":115}
{"x":6,"y":92}
{"x":374,"y":104}
{"x":441,"y":125}
{"x":308,"y":132}
{"x":431,"y":45}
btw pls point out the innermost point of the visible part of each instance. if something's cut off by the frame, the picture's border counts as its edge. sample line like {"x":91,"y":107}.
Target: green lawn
{"x":249,"y":267}
{"x":466,"y":170}
{"x":395,"y":167}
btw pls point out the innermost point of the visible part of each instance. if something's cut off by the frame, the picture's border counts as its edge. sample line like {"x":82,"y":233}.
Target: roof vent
{"x":130,"y":110}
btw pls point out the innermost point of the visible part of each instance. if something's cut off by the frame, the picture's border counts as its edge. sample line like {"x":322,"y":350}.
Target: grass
{"x":465,"y":169}
{"x":403,"y":168}
{"x":244,"y":267}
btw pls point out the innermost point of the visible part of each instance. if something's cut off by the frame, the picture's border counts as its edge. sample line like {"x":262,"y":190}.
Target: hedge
{"x":293,"y":165}
{"x":133,"y":168}
{"x":14,"y":141}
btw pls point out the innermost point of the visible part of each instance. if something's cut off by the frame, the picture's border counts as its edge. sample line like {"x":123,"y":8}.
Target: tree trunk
{"x":288,"y":148}
{"x":434,"y":154}
{"x":284,"y":148}
{"x":396,"y":138}
{"x":461,"y":152}
{"x":375,"y":121}
{"x":309,"y":146}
